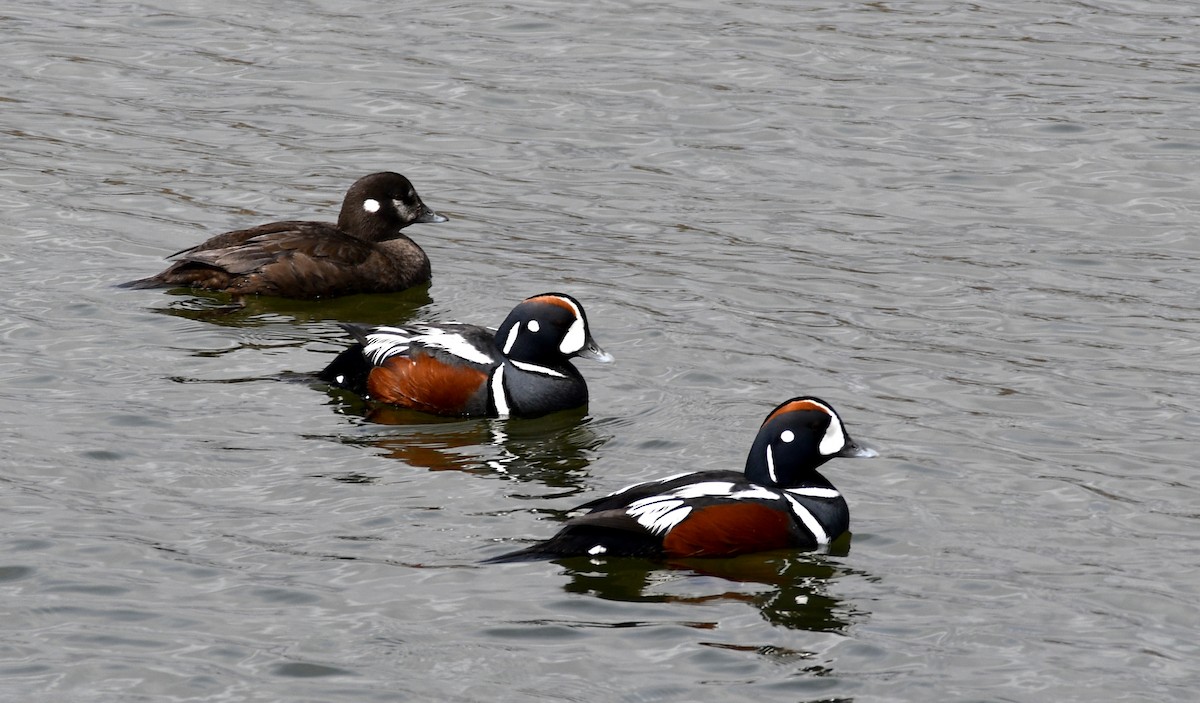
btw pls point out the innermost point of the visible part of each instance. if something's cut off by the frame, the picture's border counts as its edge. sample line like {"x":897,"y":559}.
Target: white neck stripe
{"x":498,"y":393}
{"x":809,"y":520}
{"x":534,"y":368}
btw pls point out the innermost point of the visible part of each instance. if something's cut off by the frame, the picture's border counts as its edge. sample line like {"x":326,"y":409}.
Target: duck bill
{"x":592,"y":351}
{"x":429,"y":216}
{"x":857,"y":450}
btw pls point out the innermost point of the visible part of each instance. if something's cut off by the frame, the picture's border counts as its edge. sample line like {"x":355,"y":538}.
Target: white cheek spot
{"x":533,"y":326}
{"x":787,"y":436}
{"x":371,"y":205}
{"x":834,"y":440}
{"x":598,"y":549}
{"x":340,"y":378}
{"x":573,"y":341}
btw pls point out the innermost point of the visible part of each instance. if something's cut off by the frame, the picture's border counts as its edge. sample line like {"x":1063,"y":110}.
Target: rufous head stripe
{"x":552,"y":299}
{"x":795,"y":405}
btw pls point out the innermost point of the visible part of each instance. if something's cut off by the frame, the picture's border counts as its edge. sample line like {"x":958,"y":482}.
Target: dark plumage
{"x":523,"y":369}
{"x":365,"y":252}
{"x":779,"y":501}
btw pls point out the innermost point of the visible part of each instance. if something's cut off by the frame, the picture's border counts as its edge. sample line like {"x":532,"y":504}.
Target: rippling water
{"x":969,"y":226}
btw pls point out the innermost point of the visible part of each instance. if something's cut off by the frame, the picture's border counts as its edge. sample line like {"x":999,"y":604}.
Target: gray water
{"x":970,"y":227}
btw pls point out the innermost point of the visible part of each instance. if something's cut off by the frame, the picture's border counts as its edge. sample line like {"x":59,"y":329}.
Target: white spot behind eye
{"x":512,"y":338}
{"x":371,"y":205}
{"x":787,"y":436}
{"x":533,"y":326}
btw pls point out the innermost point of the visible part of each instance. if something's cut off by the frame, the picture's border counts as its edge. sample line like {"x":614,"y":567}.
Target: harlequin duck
{"x":364,"y":253}
{"x":779,"y":501}
{"x":522,"y":369}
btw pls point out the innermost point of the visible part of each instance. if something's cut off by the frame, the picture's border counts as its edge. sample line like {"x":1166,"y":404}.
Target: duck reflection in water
{"x":554,"y":450}
{"x":254,"y":311}
{"x":797,"y":594}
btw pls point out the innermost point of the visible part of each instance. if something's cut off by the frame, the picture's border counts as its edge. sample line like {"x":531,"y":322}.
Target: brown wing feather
{"x":424,"y":383}
{"x":726,"y":529}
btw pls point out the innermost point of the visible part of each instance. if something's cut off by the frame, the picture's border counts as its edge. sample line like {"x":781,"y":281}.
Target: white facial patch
{"x":597,"y":550}
{"x":573,"y":341}
{"x":533,"y":326}
{"x":835,"y":438}
{"x":371,"y":205}
{"x":810,"y":522}
{"x":787,"y":436}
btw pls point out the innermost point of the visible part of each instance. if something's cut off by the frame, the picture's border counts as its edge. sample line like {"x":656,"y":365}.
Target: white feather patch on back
{"x":658,"y":514}
{"x":647,"y":483}
{"x":757,"y":492}
{"x":814,"y":492}
{"x":384,"y":342}
{"x":452,"y":343}
{"x":701,"y":490}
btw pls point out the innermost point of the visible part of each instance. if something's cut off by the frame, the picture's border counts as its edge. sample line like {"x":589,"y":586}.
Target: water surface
{"x":970,"y":227}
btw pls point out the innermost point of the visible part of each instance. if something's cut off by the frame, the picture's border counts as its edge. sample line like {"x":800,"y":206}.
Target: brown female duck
{"x":365,"y":252}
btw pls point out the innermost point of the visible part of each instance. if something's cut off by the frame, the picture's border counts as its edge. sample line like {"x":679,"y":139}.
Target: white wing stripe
{"x":814,"y":492}
{"x":453,"y":343}
{"x":384,"y":342}
{"x":659,"y":514}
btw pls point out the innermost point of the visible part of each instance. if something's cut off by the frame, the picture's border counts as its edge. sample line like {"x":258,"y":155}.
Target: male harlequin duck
{"x":779,"y":501}
{"x":523,"y":369}
{"x":364,"y":253}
